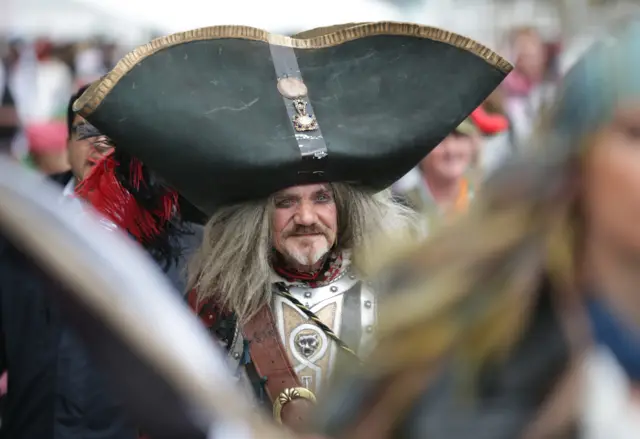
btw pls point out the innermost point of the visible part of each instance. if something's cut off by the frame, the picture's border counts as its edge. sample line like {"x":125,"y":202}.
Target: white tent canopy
{"x":273,"y":15}
{"x":67,"y":20}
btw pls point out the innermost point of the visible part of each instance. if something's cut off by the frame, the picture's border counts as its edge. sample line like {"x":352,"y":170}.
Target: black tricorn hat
{"x":230,"y":113}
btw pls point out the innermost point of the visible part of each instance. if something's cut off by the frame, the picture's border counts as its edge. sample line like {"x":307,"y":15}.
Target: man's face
{"x":304,"y":224}
{"x":451,"y":159}
{"x":83,"y":154}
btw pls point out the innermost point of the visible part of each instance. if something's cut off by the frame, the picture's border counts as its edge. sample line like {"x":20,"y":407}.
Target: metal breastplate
{"x":346,"y":305}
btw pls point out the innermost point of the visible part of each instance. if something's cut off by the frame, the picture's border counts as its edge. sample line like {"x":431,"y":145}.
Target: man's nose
{"x":306,"y":215}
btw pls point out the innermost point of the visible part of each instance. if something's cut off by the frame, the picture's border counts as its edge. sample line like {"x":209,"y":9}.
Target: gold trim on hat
{"x":312,"y":39}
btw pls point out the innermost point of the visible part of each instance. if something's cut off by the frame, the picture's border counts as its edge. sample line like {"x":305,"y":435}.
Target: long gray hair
{"x":233,"y":264}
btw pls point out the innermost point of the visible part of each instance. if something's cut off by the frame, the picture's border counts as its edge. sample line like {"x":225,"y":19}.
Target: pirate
{"x":287,"y":145}
{"x":530,"y":328}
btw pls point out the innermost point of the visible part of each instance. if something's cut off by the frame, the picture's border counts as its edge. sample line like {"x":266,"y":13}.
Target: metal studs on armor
{"x":367,"y":304}
{"x":352,"y":276}
{"x":236,"y":355}
{"x":334,"y":289}
{"x":307,"y":294}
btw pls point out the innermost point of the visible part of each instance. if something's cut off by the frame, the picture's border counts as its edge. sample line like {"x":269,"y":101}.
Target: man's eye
{"x":323,"y":198}
{"x":284,"y":204}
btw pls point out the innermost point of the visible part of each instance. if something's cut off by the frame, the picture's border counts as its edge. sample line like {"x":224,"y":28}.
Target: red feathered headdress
{"x":127,"y":199}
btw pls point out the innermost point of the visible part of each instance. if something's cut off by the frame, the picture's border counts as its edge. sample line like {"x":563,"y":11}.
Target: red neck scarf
{"x":331,"y":268}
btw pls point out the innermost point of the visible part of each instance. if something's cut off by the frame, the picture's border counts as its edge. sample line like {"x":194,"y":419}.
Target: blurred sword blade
{"x":171,"y":375}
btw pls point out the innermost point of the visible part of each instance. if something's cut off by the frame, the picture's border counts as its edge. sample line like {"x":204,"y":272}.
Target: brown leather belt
{"x":272,"y":362}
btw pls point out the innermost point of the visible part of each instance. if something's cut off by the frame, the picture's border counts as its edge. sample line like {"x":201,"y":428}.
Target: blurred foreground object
{"x":520,"y":321}
{"x":172,"y":378}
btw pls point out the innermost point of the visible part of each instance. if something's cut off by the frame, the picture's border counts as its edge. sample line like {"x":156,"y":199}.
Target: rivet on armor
{"x":352,"y":276}
{"x":369,"y":328}
{"x":307,"y":294}
{"x":236,"y":355}
{"x":367,"y":304}
{"x":334,"y":289}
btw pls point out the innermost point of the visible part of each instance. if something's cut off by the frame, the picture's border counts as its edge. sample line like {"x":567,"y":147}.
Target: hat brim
{"x":202,"y":108}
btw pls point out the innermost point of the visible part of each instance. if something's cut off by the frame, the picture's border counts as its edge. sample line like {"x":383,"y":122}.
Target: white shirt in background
{"x":607,"y":408}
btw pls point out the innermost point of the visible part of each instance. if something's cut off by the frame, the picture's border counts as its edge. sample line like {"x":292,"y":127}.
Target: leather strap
{"x":268,"y":354}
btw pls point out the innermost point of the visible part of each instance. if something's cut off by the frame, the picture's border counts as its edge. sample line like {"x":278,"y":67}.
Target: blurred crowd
{"x":445,"y":181}
{"x":36,"y":80}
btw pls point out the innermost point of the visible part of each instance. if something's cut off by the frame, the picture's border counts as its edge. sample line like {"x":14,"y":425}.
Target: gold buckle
{"x":288,"y":395}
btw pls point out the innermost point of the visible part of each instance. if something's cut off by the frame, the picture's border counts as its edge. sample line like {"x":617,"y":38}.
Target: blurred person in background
{"x":60,"y":150}
{"x":531,"y":85}
{"x":40,"y":84}
{"x":129,"y":196}
{"x":66,"y":53}
{"x":110,"y":55}
{"x":48,"y":147}
{"x":9,"y":121}
{"x":81,"y":153}
{"x":495,"y":128}
{"x":89,"y":62}
{"x":523,"y":319}
{"x":20,"y":77}
{"x":53,"y":85}
{"x":444,"y":182}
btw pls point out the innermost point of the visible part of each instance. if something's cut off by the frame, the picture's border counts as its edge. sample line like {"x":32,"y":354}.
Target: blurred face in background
{"x":451,"y":159}
{"x":84,"y":153}
{"x":531,"y":54}
{"x":612,"y":182}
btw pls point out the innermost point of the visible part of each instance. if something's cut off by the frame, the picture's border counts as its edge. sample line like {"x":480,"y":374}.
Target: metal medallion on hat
{"x":295,"y":90}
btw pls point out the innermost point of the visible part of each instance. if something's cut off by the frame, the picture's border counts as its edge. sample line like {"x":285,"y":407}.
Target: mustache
{"x":316,"y":229}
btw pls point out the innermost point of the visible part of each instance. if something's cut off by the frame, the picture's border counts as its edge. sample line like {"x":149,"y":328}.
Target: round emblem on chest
{"x":307,"y":343}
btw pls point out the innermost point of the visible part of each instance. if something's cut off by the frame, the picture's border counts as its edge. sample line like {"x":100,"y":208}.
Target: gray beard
{"x":308,"y":258}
